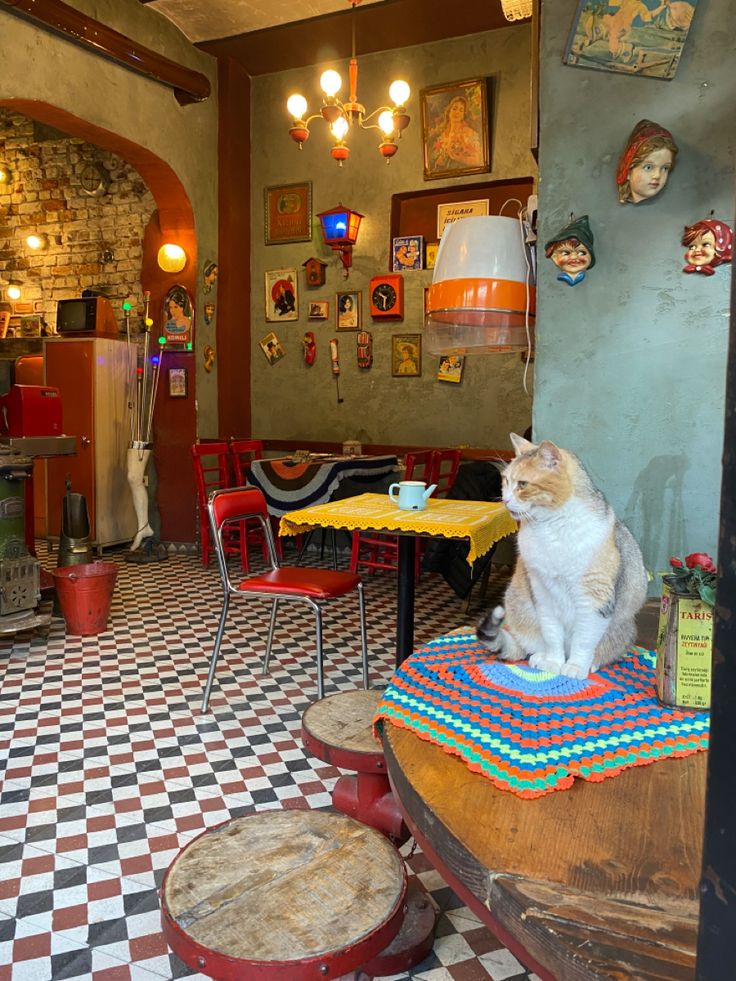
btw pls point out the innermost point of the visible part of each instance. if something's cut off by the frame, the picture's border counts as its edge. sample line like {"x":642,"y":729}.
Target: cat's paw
{"x":488,"y":631}
{"x":546,"y":662}
{"x":573,"y":670}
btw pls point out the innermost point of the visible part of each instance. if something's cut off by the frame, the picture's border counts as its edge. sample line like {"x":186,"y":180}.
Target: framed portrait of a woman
{"x":455,"y":129}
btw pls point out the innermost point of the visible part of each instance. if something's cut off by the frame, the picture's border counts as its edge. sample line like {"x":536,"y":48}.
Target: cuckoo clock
{"x":315,"y":272}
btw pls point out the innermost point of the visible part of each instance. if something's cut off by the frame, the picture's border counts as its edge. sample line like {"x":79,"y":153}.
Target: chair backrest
{"x":243,"y":452}
{"x":231,"y":505}
{"x":418,"y":466}
{"x":444,"y":470}
{"x":211,"y":468}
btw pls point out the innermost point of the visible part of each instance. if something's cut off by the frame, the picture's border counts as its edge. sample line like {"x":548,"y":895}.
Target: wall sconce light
{"x":6,"y":175}
{"x":171,"y":258}
{"x":37,"y":242}
{"x":14,"y":291}
{"x":482,"y":297}
{"x":340,"y":228}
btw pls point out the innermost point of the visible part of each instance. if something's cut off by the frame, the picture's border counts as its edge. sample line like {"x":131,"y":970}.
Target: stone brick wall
{"x":93,"y":242}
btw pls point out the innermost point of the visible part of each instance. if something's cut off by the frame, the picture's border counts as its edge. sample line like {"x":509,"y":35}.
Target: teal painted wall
{"x":630,"y":369}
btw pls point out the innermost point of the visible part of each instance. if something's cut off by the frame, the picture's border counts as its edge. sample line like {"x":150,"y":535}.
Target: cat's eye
{"x":521,"y":484}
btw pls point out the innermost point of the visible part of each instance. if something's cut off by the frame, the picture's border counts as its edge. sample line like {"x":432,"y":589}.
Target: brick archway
{"x":174,"y":420}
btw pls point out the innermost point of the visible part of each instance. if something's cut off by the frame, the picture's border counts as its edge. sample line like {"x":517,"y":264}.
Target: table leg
{"x":405,"y":599}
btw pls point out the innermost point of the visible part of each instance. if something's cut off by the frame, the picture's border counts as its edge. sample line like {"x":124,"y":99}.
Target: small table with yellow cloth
{"x":482,"y":523}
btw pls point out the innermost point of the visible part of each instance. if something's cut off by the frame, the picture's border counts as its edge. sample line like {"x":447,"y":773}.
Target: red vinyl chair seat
{"x":301,"y":581}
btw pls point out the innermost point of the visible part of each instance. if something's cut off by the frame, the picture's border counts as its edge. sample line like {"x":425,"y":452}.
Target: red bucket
{"x":85,"y":596}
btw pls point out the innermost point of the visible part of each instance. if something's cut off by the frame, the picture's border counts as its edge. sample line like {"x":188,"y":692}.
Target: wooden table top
{"x":599,"y":881}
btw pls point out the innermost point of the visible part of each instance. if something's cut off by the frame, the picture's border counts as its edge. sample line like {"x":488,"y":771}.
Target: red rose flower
{"x":676,"y":563}
{"x":700,"y":560}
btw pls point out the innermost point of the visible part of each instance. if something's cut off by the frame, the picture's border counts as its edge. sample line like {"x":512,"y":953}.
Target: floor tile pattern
{"x":107,"y":768}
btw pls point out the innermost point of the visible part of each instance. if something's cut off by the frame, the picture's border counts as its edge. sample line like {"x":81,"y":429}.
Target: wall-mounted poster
{"x":282,"y":298}
{"x":455,"y":129}
{"x":408,"y":252}
{"x":454,"y":211}
{"x":271,"y":347}
{"x":177,"y":383}
{"x":450,"y":368}
{"x":288,"y":213}
{"x":406,"y":355}
{"x":635,"y":37}
{"x":178,"y":319}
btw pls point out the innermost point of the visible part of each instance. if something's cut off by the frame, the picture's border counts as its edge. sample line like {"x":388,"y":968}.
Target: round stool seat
{"x":338,"y":730}
{"x":288,"y":895}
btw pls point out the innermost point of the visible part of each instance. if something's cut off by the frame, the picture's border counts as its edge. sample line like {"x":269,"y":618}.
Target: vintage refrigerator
{"x":94,"y":376}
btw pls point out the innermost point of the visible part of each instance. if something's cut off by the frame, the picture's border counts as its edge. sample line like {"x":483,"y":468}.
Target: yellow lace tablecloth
{"x":481,"y":522}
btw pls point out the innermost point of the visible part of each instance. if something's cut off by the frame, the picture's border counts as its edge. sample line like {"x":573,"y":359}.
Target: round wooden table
{"x":283,"y":896}
{"x":596,"y":882}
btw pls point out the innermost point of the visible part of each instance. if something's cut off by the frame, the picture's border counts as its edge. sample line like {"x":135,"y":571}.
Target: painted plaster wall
{"x":41,"y":66}
{"x":292,"y":400}
{"x":630,"y":369}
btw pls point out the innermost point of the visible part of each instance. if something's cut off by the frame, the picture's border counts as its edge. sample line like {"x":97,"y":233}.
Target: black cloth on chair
{"x":476,"y":480}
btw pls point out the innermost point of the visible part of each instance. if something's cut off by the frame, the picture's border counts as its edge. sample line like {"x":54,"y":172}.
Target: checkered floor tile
{"x":108,"y":769}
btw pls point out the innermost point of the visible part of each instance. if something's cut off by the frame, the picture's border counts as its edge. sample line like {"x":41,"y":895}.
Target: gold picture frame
{"x":348,"y":310}
{"x":455,"y":129}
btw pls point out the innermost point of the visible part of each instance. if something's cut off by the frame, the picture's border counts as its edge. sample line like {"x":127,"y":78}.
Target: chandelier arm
{"x":365,"y":124}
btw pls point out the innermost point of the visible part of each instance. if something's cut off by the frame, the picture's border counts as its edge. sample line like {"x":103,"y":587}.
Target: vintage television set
{"x":86,"y":316}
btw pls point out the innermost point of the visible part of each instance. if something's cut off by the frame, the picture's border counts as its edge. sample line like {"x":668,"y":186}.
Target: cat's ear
{"x":521,"y":445}
{"x":549,"y":454}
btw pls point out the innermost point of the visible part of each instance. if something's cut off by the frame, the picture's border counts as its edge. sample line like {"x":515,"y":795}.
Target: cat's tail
{"x":488,"y":630}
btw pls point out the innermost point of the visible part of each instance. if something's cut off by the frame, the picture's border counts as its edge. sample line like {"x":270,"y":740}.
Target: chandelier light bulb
{"x":399,"y":92}
{"x":14,"y":291}
{"x":386,"y":122}
{"x":330,"y":83}
{"x":297,"y":106}
{"x":339,"y":128}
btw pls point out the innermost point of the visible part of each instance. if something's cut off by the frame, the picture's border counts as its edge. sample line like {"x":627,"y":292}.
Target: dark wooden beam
{"x":379,"y":27}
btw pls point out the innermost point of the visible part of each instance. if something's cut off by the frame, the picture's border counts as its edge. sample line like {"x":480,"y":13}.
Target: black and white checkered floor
{"x":108,"y":769}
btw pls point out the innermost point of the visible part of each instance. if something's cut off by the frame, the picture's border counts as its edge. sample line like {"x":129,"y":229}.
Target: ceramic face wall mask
{"x":646,"y":163}
{"x":709,"y":244}
{"x":571,"y":250}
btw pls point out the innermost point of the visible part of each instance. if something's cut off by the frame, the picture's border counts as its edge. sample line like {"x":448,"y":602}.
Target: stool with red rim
{"x":338,"y":730}
{"x":283,"y":896}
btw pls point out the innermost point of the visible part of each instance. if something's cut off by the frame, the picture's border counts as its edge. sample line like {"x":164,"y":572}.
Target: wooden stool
{"x":283,"y":896}
{"x":338,"y":730}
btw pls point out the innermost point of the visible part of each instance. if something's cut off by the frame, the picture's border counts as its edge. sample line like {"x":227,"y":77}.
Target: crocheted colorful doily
{"x":532,"y":732}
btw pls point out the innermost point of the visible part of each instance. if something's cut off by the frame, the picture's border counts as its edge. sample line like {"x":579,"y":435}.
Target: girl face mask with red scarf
{"x":709,"y":244}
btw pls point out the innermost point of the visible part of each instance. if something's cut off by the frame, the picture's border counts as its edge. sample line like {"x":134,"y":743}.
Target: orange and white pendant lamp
{"x":482,"y":297}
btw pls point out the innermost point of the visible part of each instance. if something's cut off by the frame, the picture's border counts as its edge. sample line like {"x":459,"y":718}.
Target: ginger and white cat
{"x":579,"y":579}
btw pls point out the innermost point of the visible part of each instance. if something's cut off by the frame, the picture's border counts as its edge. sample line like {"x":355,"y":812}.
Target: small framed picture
{"x":177,"y":383}
{"x":406,"y":355}
{"x":282,"y":297}
{"x":319,"y":309}
{"x":430,"y":254}
{"x":408,"y":252}
{"x":288,"y":213}
{"x":347,"y":310}
{"x":455,"y":129}
{"x":450,"y":368}
{"x":271,"y":347}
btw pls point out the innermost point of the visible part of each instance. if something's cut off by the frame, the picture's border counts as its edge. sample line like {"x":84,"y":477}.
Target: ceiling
{"x":227,"y":18}
{"x":273,"y":35}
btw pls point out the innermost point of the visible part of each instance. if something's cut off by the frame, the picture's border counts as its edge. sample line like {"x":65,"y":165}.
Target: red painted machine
{"x":31,"y":410}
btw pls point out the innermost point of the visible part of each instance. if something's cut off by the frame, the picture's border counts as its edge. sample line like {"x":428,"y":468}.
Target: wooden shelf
{"x":415,"y":212}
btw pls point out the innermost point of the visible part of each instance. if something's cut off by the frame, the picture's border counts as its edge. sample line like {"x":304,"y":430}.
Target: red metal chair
{"x":371,"y":550}
{"x":212,"y":472}
{"x":229,"y":508}
{"x":444,"y":470}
